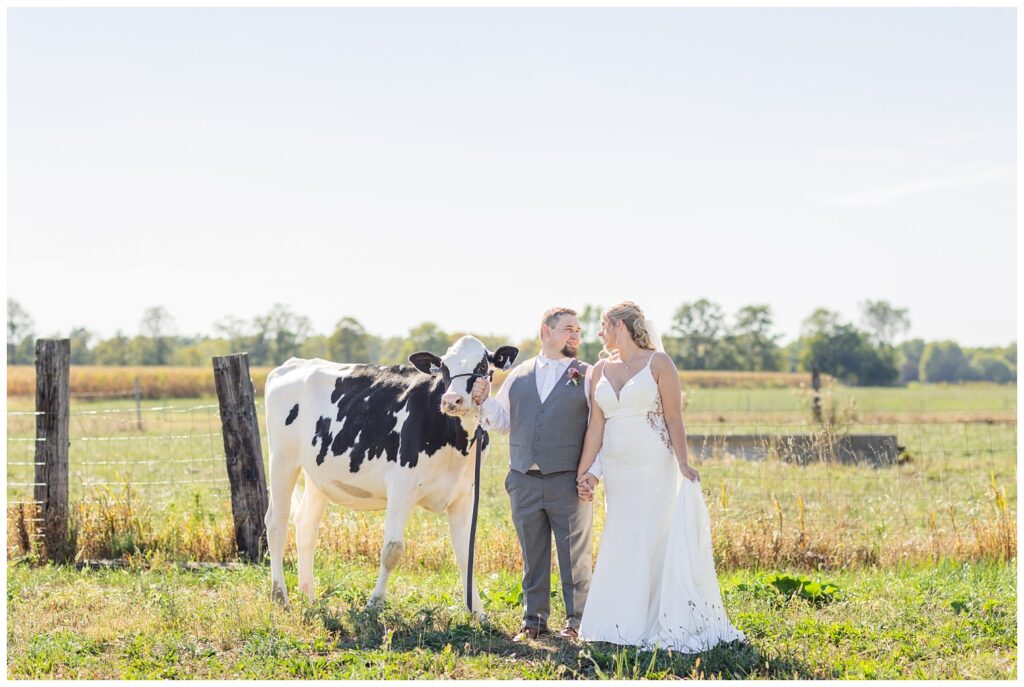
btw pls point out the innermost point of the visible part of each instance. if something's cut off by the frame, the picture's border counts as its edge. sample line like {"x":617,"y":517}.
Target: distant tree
{"x":883,"y":321}
{"x":992,"y":367}
{"x":530,"y":347}
{"x":157,"y":325}
{"x":426,"y":336}
{"x":113,"y":351}
{"x":847,"y":354}
{"x":236,"y":331}
{"x":391,"y":351}
{"x":315,"y":346}
{"x":80,"y":353}
{"x":725,"y":354}
{"x":200,"y":351}
{"x":590,"y":325}
{"x":20,"y":335}
{"x":754,"y":341}
{"x":909,"y":360}
{"x":697,"y":327}
{"x":821,"y":320}
{"x":278,"y":335}
{"x":140,"y":350}
{"x":791,"y":353}
{"x":944,"y":361}
{"x":349,"y":343}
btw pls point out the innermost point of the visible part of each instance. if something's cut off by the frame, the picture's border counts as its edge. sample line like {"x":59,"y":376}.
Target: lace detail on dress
{"x":656,"y":419}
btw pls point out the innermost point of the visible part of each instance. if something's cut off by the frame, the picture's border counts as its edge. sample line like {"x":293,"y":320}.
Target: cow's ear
{"x":426,"y":362}
{"x":503,"y":358}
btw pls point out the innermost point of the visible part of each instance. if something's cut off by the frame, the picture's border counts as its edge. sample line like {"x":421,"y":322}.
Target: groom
{"x":544,"y":404}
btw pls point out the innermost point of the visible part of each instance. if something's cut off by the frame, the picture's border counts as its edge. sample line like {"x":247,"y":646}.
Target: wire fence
{"x":938,"y":474}
{"x":178,"y":452}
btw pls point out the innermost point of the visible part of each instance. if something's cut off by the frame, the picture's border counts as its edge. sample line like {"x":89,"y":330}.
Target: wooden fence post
{"x":816,"y":386}
{"x":53,"y":399}
{"x":244,"y":455}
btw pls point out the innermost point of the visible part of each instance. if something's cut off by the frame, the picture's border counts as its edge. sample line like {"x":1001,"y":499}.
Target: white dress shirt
{"x":495,"y":410}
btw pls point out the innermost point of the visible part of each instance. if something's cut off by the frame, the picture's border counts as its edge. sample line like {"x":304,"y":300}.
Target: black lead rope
{"x":478,"y":440}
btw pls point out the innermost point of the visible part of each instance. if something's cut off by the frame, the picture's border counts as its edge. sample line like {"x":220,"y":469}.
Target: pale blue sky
{"x":474,"y":166}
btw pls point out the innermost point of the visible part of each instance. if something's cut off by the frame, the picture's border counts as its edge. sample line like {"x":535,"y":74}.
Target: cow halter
{"x":479,"y":409}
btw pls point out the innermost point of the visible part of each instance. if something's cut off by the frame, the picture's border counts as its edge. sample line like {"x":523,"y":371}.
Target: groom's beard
{"x":569,"y":351}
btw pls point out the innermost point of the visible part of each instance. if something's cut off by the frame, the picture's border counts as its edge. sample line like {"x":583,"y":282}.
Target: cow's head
{"x":467,"y":356}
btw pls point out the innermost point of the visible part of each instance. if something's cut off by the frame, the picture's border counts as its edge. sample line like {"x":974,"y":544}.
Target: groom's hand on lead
{"x":481,"y":390}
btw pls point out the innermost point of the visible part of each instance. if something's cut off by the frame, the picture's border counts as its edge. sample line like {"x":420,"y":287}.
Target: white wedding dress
{"x":654,"y":583}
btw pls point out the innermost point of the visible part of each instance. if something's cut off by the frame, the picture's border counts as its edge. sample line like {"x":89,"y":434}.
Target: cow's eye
{"x":446,"y":376}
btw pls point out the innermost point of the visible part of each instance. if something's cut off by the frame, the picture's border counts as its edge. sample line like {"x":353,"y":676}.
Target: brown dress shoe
{"x":569,"y":633}
{"x":526,"y":632}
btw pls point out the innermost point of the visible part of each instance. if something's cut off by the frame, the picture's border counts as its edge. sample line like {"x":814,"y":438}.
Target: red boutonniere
{"x":574,"y":377}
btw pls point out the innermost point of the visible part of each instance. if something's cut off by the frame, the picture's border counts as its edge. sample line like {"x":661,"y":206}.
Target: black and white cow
{"x":374,"y":438}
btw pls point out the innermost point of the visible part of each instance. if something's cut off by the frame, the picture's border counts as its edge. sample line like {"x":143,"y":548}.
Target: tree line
{"x":700,"y":336}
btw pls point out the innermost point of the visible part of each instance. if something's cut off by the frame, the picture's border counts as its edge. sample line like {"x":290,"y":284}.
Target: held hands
{"x":585,"y":487}
{"x":481,"y":390}
{"x":689,"y":473}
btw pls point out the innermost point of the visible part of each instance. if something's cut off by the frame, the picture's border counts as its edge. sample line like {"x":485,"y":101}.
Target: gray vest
{"x":549,"y":434}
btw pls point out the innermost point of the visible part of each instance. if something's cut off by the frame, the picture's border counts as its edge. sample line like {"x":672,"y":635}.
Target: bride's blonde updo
{"x":630,"y":314}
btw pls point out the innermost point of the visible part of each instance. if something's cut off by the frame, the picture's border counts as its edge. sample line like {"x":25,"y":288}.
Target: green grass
{"x":910,"y":401}
{"x":947,"y":621}
{"x":923,"y":592}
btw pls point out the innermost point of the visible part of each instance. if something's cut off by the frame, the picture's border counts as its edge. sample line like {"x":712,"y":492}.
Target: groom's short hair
{"x":552,"y":315}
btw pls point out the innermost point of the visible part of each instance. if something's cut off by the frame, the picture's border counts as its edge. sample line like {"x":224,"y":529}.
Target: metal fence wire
{"x":180,"y":450}
{"x":949,"y":467}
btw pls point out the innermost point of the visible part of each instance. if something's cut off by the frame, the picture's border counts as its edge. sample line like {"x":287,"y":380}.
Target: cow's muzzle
{"x":453,"y":404}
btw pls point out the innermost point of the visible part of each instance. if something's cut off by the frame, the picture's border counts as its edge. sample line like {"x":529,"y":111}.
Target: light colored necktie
{"x":549,"y":381}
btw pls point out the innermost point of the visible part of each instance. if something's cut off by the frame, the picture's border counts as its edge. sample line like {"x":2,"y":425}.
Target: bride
{"x":655,"y":582}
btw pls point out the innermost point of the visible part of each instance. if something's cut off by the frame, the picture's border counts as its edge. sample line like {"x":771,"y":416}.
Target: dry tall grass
{"x":192,"y":382}
{"x":125,"y":528}
{"x":155,"y":382}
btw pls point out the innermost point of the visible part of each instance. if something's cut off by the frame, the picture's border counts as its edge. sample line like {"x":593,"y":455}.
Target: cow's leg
{"x":307,"y":526}
{"x":460,"y":514}
{"x":398,"y":509}
{"x":284,"y":473}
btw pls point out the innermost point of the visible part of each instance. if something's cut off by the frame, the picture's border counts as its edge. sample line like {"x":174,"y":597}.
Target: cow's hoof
{"x":375,"y":605}
{"x":280,"y":596}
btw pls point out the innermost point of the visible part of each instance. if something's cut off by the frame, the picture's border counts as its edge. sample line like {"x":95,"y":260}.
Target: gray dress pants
{"x":543,"y":505}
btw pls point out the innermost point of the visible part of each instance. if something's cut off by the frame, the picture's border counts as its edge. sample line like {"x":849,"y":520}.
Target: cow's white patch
{"x":400,"y":417}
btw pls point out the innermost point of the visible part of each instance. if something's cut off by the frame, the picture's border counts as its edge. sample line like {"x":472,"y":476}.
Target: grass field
{"x":924,"y":553}
{"x":940,"y":621}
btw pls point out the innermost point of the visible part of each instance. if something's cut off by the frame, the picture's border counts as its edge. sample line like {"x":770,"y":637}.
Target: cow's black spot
{"x":369,"y":400}
{"x":292,"y":415}
{"x":323,"y":433}
{"x":480,"y":369}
